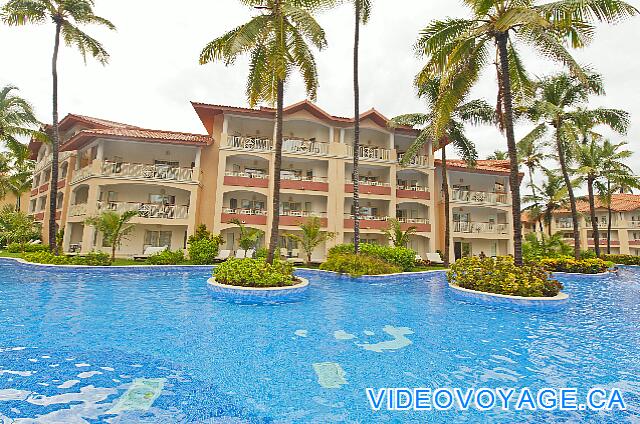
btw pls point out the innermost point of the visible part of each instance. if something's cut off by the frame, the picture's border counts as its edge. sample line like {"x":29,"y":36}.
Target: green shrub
{"x":358,"y":265}
{"x":501,"y":276}
{"x":166,"y":257}
{"x":534,"y":248}
{"x":582,"y":266}
{"x":45,"y":257}
{"x":255,"y":273}
{"x":399,"y":256}
{"x":262,"y":253}
{"x":27,"y":248}
{"x":203,"y":251}
{"x":94,"y":259}
{"x":623,"y":259}
{"x":588,"y":254}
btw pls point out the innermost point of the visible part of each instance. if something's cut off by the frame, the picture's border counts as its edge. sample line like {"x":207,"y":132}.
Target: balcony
{"x":39,"y":216}
{"x":478,"y":197}
{"x":418,"y":161}
{"x":79,"y":209}
{"x":305,"y":183}
{"x":243,"y":179}
{"x":302,"y":146}
{"x":565,"y":224}
{"x":260,"y":144}
{"x":34,"y":192}
{"x":295,"y":218}
{"x":371,"y":153}
{"x":602,"y":241}
{"x":413,"y":192}
{"x":634,"y":224}
{"x":631,"y":242}
{"x":367,"y":222}
{"x":420,"y":224}
{"x":479,"y":228}
{"x":370,"y":187}
{"x":246,"y":216}
{"x":138,"y":171}
{"x":44,"y":187}
{"x":147,"y":210}
{"x":601,"y":225}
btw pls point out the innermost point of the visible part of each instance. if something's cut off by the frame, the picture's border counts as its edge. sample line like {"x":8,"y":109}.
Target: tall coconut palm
{"x":551,"y":195}
{"x":558,"y":104}
{"x":362,"y":14}
{"x":277,"y":41}
{"x":473,"y":112}
{"x":114,"y":227}
{"x":459,"y":49}
{"x":531,"y":155}
{"x":67,"y":16}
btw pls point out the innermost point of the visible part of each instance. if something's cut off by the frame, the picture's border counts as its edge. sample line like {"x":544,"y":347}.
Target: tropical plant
{"x":204,"y":251}
{"x":472,"y":112}
{"x":67,"y":16}
{"x":255,"y":273}
{"x":396,"y":235}
{"x":311,"y":236}
{"x":17,"y":119}
{"x":498,"y":155}
{"x":459,"y":49}
{"x":166,"y":257}
{"x":551,"y":195}
{"x":358,"y":265}
{"x":114,"y":227}
{"x":576,"y":266}
{"x":249,"y":237}
{"x":534,"y":248}
{"x":276,"y":40}
{"x":531,"y":155}
{"x":16,"y":174}
{"x":402,"y":257}
{"x":555,"y":105}
{"x":17,"y":227}
{"x":623,"y":259}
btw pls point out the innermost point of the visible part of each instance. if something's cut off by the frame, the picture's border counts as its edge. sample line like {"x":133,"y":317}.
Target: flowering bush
{"x":500,"y":275}
{"x":582,"y":266}
{"x":255,"y":273}
{"x":26,"y":248}
{"x":399,"y":256}
{"x":623,"y":259}
{"x":358,"y":265}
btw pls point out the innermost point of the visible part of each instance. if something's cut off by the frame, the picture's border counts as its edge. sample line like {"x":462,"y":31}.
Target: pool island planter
{"x":503,"y":299}
{"x":241,"y":294}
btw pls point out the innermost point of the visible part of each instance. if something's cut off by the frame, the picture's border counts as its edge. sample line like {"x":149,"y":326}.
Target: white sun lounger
{"x":150,"y":251}
{"x":250,"y":253}
{"x":241,"y":254}
{"x":223,"y":255}
{"x":284,"y":252}
{"x":294,"y":257}
{"x":434,"y":258}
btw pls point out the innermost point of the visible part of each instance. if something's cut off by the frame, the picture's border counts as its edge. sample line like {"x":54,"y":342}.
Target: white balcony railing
{"x":418,"y":160}
{"x":249,"y":143}
{"x":246,"y":175}
{"x":371,"y":152}
{"x":371,"y":183}
{"x":564,"y":224}
{"x":367,"y":217}
{"x":78,"y":209}
{"x":413,"y":220}
{"x":299,"y":145}
{"x":304,"y":214}
{"x":146,"y":171}
{"x":601,"y":224}
{"x":479,"y":227}
{"x":239,"y":211}
{"x":412,"y":188}
{"x":478,"y":197}
{"x":305,"y":178}
{"x":634,"y":224}
{"x":147,"y":210}
{"x":82,"y":173}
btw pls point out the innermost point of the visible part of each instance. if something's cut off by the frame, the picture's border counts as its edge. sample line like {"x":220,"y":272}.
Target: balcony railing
{"x":412,"y":188}
{"x":478,"y":196}
{"x":413,"y":220}
{"x":79,"y":209}
{"x":418,"y":160}
{"x":304,"y":178}
{"x":634,"y":224}
{"x":300,"y":145}
{"x":246,"y":175}
{"x":147,"y":171}
{"x":147,"y":210}
{"x":601,"y":224}
{"x":304,"y":214}
{"x":249,"y":143}
{"x":479,"y":228}
{"x":367,"y":217}
{"x":370,"y":152}
{"x":371,"y":183}
{"x":239,"y":211}
{"x":564,"y":224}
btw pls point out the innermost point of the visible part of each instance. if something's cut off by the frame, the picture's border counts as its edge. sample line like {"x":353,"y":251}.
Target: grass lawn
{"x":5,"y":254}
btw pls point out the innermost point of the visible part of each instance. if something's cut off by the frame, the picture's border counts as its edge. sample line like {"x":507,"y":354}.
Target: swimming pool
{"x":74,"y":342}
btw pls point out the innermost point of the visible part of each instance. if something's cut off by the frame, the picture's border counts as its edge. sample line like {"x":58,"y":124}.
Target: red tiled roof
{"x":619,"y":203}
{"x":169,"y":137}
{"x":501,"y":167}
{"x":102,"y":122}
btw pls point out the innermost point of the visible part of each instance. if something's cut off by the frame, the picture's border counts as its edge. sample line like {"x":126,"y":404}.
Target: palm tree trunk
{"x":535,"y":198}
{"x":53,"y":183}
{"x":355,"y":177}
{"x":447,"y":207}
{"x":548,"y":219}
{"x":113,"y":252}
{"x":592,"y":213}
{"x":572,"y":198}
{"x":514,"y":177}
{"x":18,"y":202}
{"x":275,"y":222}
{"x":609,"y":216}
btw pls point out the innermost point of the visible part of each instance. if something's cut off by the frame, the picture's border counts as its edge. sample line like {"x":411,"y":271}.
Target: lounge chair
{"x":284,"y":252}
{"x":241,"y":254}
{"x":223,"y":255}
{"x":418,"y":258}
{"x":150,"y":251}
{"x":294,"y":257}
{"x":250,"y":253}
{"x":434,"y":258}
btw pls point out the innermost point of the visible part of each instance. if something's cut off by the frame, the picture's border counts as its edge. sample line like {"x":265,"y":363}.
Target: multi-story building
{"x":625,"y":224}
{"x":177,"y":180}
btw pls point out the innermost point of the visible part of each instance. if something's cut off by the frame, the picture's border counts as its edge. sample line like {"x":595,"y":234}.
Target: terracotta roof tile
{"x":619,"y":203}
{"x":150,"y":134}
{"x":490,"y":166}
{"x":103,"y":122}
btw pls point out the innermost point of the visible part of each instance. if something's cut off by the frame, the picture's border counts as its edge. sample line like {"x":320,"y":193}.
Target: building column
{"x":623,"y":236}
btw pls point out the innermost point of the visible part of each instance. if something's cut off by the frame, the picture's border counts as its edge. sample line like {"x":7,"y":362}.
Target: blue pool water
{"x":72,"y":342}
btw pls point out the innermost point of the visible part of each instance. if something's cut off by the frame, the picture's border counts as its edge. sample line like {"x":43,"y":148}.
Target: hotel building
{"x":176,"y":181}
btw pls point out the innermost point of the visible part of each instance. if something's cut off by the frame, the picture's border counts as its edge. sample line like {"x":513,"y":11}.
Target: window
{"x":157,"y":239}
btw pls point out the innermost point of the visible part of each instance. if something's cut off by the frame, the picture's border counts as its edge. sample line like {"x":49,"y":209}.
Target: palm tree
{"x":459,"y":49}
{"x":312,"y":236}
{"x":16,"y":173}
{"x":17,"y":227}
{"x":66,"y":16}
{"x":249,"y":237}
{"x":362,"y":13}
{"x":17,"y":119}
{"x":555,"y":105}
{"x":276,"y":39}
{"x":396,"y":235}
{"x":474,"y":112}
{"x":498,"y":155}
{"x":114,"y":228}
{"x":551,"y":195}
{"x":531,"y":155}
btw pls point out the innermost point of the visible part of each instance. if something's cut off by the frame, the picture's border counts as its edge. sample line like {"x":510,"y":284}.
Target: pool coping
{"x":559,"y":297}
{"x":303,"y":284}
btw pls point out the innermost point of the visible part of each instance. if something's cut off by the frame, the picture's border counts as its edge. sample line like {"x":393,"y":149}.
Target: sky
{"x":154,"y":73}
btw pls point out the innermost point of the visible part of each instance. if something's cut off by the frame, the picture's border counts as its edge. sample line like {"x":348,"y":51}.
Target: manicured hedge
{"x":399,"y":256}
{"x":501,"y":276}
{"x":255,"y":273}
{"x":92,"y":259}
{"x":623,"y":259}
{"x":27,"y":248}
{"x":358,"y":265}
{"x":582,"y":266}
{"x":166,"y":257}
